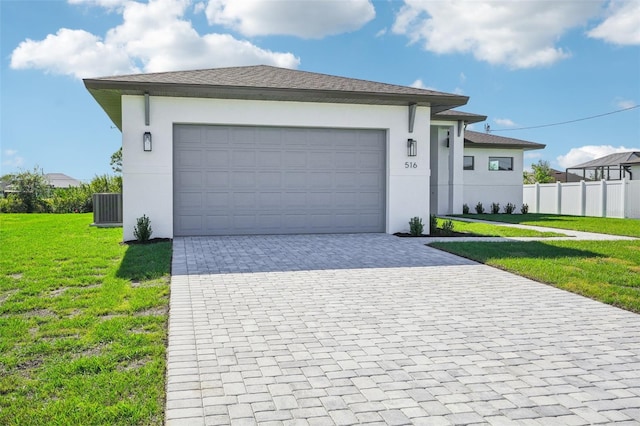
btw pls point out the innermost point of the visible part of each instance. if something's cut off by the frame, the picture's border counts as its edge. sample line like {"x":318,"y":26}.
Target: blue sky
{"x":522,"y":63}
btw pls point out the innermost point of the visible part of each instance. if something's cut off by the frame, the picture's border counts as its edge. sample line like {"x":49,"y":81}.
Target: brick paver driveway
{"x":347,"y":329}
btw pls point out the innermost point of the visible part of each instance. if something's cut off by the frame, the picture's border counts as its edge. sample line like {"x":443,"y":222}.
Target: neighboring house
{"x":560,"y":176}
{"x":265,"y":150}
{"x":621,"y":165}
{"x":60,"y":180}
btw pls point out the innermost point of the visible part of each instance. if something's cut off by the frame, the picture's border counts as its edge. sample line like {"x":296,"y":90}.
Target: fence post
{"x":603,"y":193}
{"x":558,"y":198}
{"x":624,"y":198}
{"x":537,"y":197}
{"x":583,"y":198}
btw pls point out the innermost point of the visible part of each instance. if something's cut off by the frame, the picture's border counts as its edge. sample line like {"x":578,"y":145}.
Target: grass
{"x":488,"y":230}
{"x":607,"y":271}
{"x":83,"y":323}
{"x":613,"y":226}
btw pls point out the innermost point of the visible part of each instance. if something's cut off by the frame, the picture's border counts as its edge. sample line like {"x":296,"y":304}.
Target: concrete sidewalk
{"x":375,"y":329}
{"x":570,"y":235}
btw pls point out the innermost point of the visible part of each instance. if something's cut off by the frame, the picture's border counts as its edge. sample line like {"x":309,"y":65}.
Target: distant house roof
{"x":611,"y":160}
{"x":487,"y":140}
{"x":453,"y":114}
{"x":262,"y":82}
{"x":60,"y":180}
{"x":560,"y":176}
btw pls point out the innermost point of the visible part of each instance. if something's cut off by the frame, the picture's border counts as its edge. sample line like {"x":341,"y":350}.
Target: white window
{"x":468,"y":162}
{"x":500,"y":163}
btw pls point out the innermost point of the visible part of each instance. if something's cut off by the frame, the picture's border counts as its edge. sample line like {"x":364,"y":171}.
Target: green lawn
{"x":613,"y":226}
{"x":608,"y":271}
{"x":488,"y":230}
{"x":83,"y":323}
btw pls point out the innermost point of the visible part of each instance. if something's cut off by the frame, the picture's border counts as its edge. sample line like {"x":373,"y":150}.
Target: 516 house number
{"x":410,"y":165}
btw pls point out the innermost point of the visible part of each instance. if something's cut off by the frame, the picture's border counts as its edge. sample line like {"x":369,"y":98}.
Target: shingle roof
{"x":60,"y":180}
{"x":610,"y":160}
{"x":488,"y":140}
{"x":262,"y":82}
{"x":453,"y":114}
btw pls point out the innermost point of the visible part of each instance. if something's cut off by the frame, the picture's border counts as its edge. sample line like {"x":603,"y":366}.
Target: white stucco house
{"x":265,"y":150}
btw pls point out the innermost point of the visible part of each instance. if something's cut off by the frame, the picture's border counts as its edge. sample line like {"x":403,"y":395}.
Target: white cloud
{"x":458,"y":91}
{"x":625,"y":103}
{"x":419,"y":84}
{"x":515,"y":34}
{"x":504,"y":122}
{"x":306,"y":19}
{"x":463,"y":77}
{"x":622,"y":24}
{"x":153,"y":37}
{"x":12,"y":159}
{"x":587,"y":153}
{"x":382,"y":32}
{"x":108,"y":4}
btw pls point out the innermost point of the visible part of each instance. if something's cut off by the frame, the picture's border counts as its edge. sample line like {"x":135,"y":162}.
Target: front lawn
{"x":608,"y":271}
{"x":602,"y":225}
{"x":83,"y":323}
{"x":475,"y":229}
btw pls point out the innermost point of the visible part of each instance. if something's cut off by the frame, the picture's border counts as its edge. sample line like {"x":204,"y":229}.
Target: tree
{"x":541,"y":173}
{"x":31,"y":189}
{"x":116,"y":161}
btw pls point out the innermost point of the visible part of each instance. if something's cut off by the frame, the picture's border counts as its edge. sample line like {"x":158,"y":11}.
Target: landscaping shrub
{"x":509,"y":208}
{"x":433,"y":222}
{"x":142,"y":231}
{"x":465,"y":209}
{"x":479,"y":208}
{"x":524,"y":209}
{"x":415,"y":226}
{"x":12,"y":204}
{"x":495,"y":208}
{"x":447,"y":227}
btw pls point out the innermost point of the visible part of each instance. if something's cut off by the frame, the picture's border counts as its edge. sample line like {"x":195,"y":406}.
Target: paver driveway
{"x":347,"y":329}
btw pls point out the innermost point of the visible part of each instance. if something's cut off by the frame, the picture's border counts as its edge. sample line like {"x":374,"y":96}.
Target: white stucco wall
{"x":148,"y":176}
{"x":486,"y":186}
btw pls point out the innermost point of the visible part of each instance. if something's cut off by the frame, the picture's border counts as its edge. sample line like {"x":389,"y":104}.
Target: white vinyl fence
{"x":619,"y":198}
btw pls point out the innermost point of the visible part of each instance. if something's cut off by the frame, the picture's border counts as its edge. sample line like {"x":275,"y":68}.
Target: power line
{"x":564,"y":122}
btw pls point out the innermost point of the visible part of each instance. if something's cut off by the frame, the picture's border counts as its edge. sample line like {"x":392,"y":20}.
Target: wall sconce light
{"x":146,"y":141}
{"x":447,"y":140}
{"x":412,"y":147}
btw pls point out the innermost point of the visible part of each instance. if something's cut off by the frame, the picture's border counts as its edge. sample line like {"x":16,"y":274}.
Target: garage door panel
{"x":216,"y":158}
{"x":190,"y":179}
{"x":216,"y":180}
{"x":217,"y":200}
{"x":258,"y":180}
{"x":269,"y":180}
{"x":269,"y":159}
{"x":243,"y":179}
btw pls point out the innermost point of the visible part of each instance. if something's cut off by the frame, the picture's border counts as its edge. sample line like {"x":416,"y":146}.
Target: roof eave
{"x":108,"y":95}
{"x":525,"y":147}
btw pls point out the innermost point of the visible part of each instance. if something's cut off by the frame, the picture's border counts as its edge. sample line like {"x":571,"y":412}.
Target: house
{"x":266,"y":150}
{"x":60,"y":180}
{"x":561,"y":176}
{"x":617,"y":166}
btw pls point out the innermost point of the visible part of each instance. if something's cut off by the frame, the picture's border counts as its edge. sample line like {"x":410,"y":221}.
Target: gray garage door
{"x":232,"y":180}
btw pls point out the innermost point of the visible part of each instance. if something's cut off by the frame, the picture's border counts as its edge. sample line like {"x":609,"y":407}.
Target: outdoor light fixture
{"x":146,"y":141}
{"x":412,"y":147}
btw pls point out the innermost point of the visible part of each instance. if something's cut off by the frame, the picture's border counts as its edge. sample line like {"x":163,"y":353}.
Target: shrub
{"x":415,"y":226}
{"x":495,"y":208}
{"x":142,"y":231}
{"x":465,"y":209}
{"x":509,"y":208}
{"x":447,"y":227}
{"x":433,"y":222}
{"x":524,"y":209}
{"x":479,"y":208}
{"x":12,"y":204}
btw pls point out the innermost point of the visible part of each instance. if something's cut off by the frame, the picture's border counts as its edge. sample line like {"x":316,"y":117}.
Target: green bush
{"x":524,"y":209}
{"x":142,"y":231}
{"x":415,"y":226}
{"x":447,"y":227}
{"x":495,"y":208}
{"x":509,"y":208}
{"x":12,"y":204}
{"x":479,"y":208}
{"x":433,"y":222}
{"x":465,"y":209}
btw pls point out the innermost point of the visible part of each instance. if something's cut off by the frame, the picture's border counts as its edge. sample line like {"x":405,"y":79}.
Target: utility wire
{"x":564,"y":122}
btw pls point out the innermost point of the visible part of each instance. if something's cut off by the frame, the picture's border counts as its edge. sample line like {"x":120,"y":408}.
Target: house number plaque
{"x":410,"y":165}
